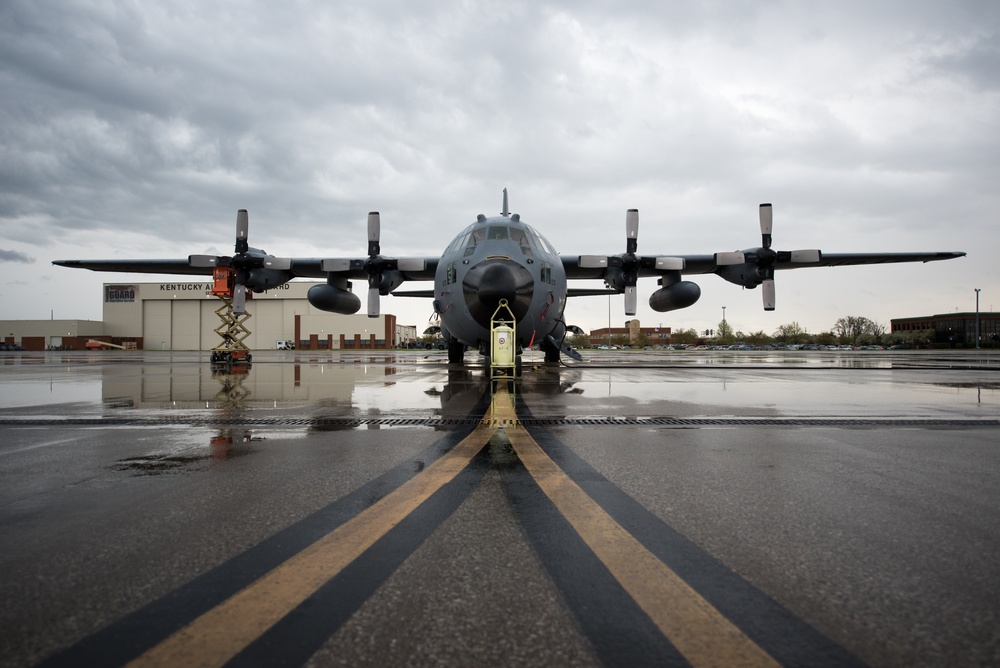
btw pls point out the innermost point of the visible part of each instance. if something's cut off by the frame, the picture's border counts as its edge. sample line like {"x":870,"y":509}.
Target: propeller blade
{"x":411,"y":264}
{"x":242,"y":230}
{"x":374,"y":232}
{"x":805,"y":256}
{"x":670,"y":263}
{"x":203,"y":260}
{"x":335,"y":264}
{"x":766,"y":218}
{"x":373,"y":302}
{"x":239,"y":299}
{"x":630,"y":300}
{"x":593,"y":261}
{"x":282,"y":263}
{"x":767,"y":288}
{"x":632,"y":230}
{"x":724,"y":259}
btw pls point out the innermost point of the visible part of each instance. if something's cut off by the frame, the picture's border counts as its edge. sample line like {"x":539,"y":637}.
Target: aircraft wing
{"x":297,"y":267}
{"x":137,"y":266}
{"x":712,"y":263}
{"x":708,"y":264}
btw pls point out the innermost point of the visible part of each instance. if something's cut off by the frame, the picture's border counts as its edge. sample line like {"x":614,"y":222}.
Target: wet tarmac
{"x":640,"y":508}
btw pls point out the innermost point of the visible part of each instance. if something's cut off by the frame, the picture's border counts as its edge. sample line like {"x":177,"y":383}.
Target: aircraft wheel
{"x":518,"y":366}
{"x":456,"y":351}
{"x":551,"y":353}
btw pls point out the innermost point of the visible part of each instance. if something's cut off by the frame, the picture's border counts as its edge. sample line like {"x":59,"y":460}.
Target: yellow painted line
{"x":696,"y":628}
{"x":219,"y":634}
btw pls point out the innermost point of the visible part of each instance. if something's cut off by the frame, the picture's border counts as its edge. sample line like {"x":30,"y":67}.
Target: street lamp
{"x":609,"y":315}
{"x":977,"y":317}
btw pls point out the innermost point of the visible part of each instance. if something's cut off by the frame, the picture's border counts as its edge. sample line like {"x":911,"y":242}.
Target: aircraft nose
{"x":490,"y":281}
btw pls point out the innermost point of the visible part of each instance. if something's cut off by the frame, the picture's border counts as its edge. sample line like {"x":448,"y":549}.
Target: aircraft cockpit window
{"x":477,"y":235}
{"x":498,"y":232}
{"x":537,"y":241}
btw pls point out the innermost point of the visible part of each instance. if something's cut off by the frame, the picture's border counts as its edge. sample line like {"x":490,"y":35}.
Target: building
{"x":182,"y":316}
{"x":633,"y":332}
{"x":954,"y":328}
{"x":50,"y":334}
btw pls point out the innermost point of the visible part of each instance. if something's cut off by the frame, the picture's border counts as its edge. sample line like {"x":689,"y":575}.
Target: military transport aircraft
{"x":503,"y":258}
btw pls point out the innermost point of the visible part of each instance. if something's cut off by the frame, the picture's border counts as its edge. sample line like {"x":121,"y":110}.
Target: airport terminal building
{"x":182,"y":316}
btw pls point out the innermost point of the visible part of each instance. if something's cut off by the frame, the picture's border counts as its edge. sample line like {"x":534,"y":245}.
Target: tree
{"x":758,"y":338}
{"x":791,"y":333}
{"x":579,"y":341}
{"x":825,"y":339}
{"x":684,"y":336}
{"x":851,"y":327}
{"x":724,"y":333}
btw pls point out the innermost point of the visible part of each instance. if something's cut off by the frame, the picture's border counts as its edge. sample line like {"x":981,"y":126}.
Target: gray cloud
{"x":131,"y":128}
{"x":15,"y":256}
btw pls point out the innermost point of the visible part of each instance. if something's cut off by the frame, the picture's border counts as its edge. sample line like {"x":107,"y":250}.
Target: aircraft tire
{"x":456,"y":351}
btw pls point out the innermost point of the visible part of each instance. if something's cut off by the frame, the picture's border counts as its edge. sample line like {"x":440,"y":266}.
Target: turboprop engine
{"x":672,"y":297}
{"x":334,"y":297}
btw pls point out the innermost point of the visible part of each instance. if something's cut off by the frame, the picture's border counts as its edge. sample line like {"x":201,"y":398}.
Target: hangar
{"x":182,"y":316}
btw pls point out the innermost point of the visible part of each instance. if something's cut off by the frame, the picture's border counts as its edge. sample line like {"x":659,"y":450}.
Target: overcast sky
{"x":134,"y":129}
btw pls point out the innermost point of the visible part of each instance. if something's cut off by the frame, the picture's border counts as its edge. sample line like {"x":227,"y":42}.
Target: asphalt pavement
{"x":639,"y":508}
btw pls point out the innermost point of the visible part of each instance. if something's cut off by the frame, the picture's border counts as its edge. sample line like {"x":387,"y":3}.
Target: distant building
{"x":182,"y":316}
{"x":634,"y":332}
{"x":405,"y":334}
{"x":953,"y":328}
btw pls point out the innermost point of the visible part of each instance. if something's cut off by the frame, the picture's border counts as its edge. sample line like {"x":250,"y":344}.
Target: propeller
{"x":241,"y":262}
{"x":376,"y":266}
{"x":375,"y":263}
{"x":629,"y":263}
{"x":765,"y":259}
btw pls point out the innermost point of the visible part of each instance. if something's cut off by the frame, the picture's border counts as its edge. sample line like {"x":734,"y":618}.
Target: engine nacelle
{"x":260,"y":280}
{"x":672,"y":297}
{"x":746,"y":274}
{"x":333,"y":299}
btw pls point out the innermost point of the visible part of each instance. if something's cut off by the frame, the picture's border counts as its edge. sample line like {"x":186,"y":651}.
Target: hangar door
{"x":156,"y":324}
{"x":185,"y":327}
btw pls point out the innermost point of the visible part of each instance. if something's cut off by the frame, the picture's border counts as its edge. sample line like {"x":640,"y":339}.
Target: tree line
{"x":849,"y":330}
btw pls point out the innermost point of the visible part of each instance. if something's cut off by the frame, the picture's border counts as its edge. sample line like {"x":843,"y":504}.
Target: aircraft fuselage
{"x":494,"y":259}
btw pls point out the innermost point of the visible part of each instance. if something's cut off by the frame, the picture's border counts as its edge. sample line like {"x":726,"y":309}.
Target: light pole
{"x":977,"y":317}
{"x":609,"y":316}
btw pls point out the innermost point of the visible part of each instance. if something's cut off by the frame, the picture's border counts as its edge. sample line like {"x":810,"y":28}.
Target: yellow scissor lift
{"x":232,"y":331}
